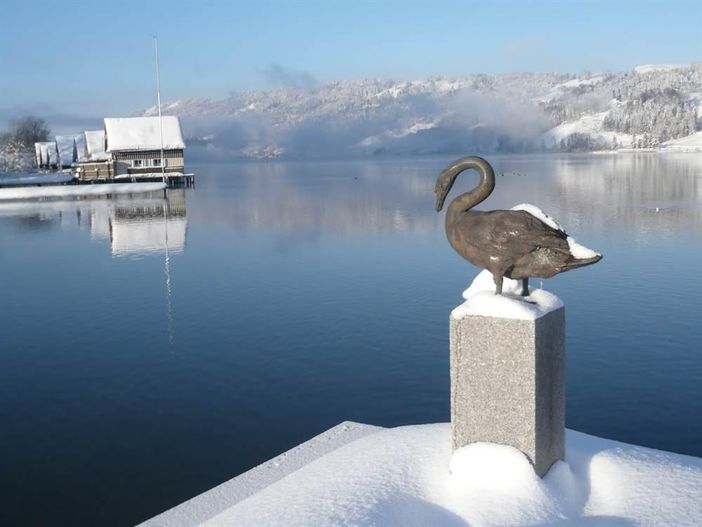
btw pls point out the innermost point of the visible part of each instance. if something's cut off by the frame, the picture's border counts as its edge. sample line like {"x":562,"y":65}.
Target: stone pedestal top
{"x":481,"y":300}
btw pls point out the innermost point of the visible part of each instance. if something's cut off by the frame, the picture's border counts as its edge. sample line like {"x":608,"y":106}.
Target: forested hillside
{"x":528,"y":112}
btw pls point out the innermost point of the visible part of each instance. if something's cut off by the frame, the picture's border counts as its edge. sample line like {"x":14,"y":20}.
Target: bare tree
{"x":26,"y":131}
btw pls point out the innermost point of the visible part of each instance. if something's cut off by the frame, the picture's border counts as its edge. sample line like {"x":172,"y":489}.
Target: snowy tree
{"x":14,"y":157}
{"x":17,"y":144}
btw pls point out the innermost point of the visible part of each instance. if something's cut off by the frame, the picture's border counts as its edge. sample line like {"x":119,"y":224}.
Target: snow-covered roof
{"x":81,"y":148}
{"x":53,"y":154}
{"x":143,"y":133}
{"x":66,"y":149}
{"x":95,"y":145}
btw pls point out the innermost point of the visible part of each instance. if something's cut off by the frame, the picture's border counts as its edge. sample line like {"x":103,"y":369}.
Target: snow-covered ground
{"x":691,"y":143}
{"x":408,"y":476}
{"x":590,"y":125}
{"x":559,"y":90}
{"x":650,"y":68}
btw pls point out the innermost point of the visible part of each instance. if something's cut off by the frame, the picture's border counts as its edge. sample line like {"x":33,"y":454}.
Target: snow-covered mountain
{"x":647,"y":107}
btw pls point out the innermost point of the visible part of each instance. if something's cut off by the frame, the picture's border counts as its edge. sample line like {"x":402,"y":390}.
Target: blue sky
{"x":76,"y":59}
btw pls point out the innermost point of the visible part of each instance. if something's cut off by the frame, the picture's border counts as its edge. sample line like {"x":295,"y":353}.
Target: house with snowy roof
{"x":137,"y":145}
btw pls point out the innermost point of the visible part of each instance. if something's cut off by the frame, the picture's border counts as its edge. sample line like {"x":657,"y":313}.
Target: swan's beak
{"x":439,"y":202}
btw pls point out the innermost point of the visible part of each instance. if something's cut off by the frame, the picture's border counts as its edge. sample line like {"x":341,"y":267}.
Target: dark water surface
{"x":151,"y":349}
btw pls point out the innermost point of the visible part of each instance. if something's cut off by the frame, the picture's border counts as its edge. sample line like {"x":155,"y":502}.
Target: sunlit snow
{"x":408,"y":476}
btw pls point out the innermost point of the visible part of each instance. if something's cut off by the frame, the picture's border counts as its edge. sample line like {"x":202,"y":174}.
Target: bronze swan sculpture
{"x":516,"y":244}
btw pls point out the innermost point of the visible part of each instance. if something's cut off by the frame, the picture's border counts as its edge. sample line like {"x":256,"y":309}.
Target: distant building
{"x":134,"y":145}
{"x":47,"y":155}
{"x":127,"y":146}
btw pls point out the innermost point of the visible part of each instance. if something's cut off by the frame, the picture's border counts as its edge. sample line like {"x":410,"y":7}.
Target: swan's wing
{"x":517,"y":233}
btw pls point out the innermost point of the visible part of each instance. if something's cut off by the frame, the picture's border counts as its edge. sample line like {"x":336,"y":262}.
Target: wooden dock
{"x":173,"y":180}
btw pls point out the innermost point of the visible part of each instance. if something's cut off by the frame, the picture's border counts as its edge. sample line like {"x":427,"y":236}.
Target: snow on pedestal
{"x":507,"y":371}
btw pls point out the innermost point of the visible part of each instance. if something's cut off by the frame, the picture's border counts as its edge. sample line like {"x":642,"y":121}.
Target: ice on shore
{"x":71,"y":191}
{"x":408,"y":476}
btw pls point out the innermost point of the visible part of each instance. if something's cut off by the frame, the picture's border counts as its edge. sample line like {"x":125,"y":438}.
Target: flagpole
{"x":158,"y":98}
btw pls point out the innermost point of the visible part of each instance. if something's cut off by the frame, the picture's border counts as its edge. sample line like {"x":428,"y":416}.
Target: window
{"x":157,"y":162}
{"x":137,"y":163}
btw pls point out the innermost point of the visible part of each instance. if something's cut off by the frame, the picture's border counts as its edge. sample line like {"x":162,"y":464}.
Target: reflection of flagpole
{"x":167,"y":272}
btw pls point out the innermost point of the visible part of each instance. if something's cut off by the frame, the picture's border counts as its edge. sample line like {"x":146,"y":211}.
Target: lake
{"x":154,"y":348}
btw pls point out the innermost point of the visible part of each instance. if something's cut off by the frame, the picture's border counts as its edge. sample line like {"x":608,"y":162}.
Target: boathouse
{"x":47,"y":154}
{"x":134,"y":145}
{"x":94,"y":162}
{"x":37,"y":154}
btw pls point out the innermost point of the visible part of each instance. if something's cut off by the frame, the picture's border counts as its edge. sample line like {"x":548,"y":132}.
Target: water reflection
{"x":348,"y":198}
{"x":133,"y":226}
{"x":149,"y":227}
{"x":647,"y":194}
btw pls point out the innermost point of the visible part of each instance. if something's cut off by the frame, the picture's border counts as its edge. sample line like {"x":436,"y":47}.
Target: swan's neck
{"x":468,"y":200}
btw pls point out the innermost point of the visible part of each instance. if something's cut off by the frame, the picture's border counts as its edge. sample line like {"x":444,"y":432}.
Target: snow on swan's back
{"x":579,"y":252}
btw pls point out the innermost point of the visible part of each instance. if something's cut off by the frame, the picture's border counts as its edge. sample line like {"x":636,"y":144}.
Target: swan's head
{"x":443,"y":185}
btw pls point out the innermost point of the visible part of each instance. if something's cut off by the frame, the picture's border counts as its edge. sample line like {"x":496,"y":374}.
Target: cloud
{"x":277,"y":75}
{"x":516,"y":48}
{"x":499,"y":113}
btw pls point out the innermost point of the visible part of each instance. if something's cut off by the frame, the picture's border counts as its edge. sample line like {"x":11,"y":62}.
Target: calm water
{"x":151,"y":349}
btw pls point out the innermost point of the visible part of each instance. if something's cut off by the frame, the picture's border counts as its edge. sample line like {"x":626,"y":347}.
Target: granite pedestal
{"x":507,"y":382}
